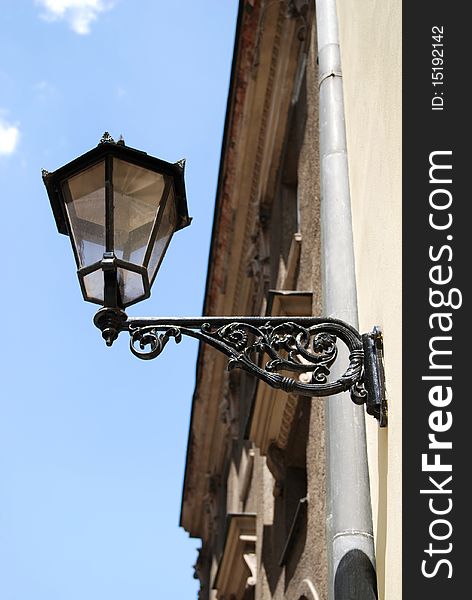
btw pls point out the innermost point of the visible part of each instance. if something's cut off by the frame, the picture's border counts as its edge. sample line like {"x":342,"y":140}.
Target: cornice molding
{"x":271,"y":124}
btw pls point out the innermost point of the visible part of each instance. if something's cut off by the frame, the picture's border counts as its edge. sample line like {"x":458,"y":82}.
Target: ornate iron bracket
{"x":265,"y":346}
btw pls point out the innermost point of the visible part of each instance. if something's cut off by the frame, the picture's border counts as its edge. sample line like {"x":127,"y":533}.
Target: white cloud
{"x":78,"y":13}
{"x":9,"y":136}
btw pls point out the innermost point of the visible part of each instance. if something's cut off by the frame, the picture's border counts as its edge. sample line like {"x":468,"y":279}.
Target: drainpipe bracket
{"x":327,"y":75}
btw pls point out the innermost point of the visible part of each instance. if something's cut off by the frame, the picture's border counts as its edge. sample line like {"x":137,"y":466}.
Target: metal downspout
{"x":351,"y":553}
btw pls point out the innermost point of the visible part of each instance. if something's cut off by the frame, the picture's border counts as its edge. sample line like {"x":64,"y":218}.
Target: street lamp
{"x":120,"y":208}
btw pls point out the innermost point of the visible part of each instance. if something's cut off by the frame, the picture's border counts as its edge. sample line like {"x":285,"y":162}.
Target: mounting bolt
{"x":374,"y":375}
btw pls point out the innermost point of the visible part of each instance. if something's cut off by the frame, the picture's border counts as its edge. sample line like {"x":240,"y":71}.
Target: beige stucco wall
{"x":370,"y":38}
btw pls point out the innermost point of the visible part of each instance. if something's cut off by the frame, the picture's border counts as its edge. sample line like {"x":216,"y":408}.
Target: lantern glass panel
{"x":131,"y":285}
{"x":137,"y":194}
{"x":166,"y":228}
{"x":94,"y":286}
{"x":85,"y":204}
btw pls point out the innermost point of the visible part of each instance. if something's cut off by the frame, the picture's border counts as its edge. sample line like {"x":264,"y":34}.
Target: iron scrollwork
{"x":265,"y":347}
{"x":305,"y":348}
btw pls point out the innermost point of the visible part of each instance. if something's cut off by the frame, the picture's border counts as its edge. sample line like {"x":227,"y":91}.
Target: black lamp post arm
{"x":265,"y":346}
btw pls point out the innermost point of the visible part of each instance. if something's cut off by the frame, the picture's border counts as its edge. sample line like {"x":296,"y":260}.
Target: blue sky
{"x":92,"y":440}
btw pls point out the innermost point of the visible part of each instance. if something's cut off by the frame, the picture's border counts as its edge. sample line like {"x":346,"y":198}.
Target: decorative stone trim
{"x":237,"y":569}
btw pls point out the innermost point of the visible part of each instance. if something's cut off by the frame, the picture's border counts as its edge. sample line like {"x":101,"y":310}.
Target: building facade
{"x":258,"y":487}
